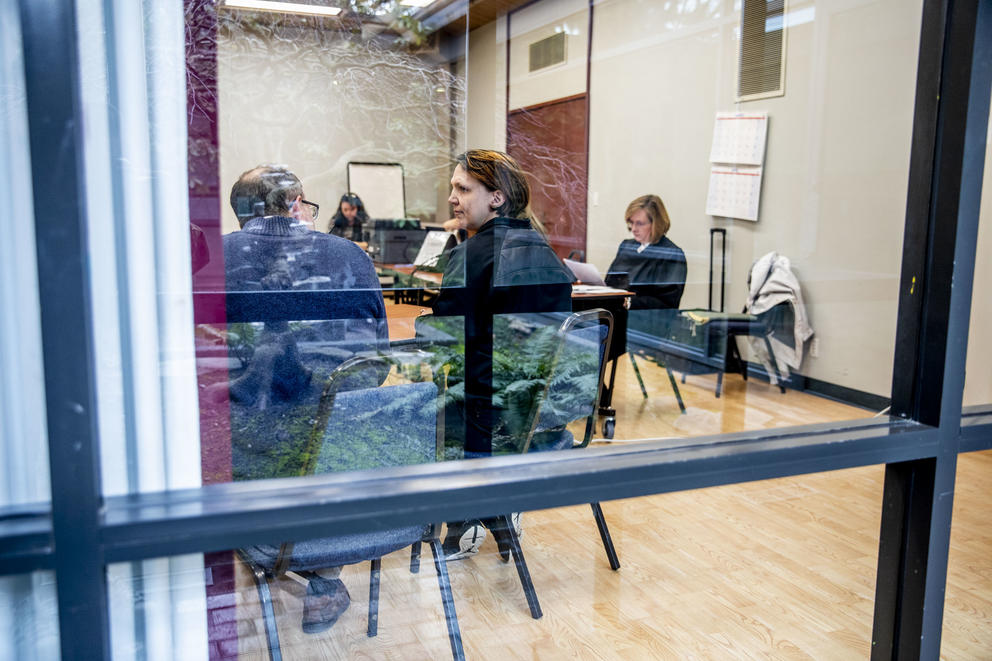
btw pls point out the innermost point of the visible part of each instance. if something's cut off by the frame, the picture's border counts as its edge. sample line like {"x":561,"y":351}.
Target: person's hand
{"x":453,"y":224}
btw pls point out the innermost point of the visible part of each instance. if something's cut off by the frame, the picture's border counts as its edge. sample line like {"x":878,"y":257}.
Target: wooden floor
{"x":778,"y":569}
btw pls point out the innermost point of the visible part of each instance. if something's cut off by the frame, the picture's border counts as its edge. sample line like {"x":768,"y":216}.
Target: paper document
{"x":587,"y":274}
{"x":734,"y":191}
{"x":597,"y":289}
{"x":431,"y":248}
{"x":739,"y":137}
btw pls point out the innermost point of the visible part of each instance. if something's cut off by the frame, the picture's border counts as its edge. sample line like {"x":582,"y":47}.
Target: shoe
{"x":502,"y":536}
{"x":516,"y":519}
{"x":465,"y":541}
{"x":325,"y":601}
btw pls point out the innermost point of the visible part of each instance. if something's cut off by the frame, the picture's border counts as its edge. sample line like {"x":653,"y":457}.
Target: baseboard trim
{"x":842,"y":394}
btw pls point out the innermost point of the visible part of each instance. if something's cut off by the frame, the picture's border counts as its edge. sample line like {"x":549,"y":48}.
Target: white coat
{"x":770,"y":283}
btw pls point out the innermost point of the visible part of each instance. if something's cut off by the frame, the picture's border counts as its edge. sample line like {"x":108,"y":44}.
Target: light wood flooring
{"x":777,"y":569}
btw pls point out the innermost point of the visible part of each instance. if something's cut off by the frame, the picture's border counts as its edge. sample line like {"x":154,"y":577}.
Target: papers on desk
{"x":586,"y":273}
{"x":431,"y":248}
{"x":597,"y":289}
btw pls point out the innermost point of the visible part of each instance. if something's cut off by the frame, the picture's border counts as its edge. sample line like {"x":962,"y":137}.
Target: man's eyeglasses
{"x":311,"y":207}
{"x":630,"y":225}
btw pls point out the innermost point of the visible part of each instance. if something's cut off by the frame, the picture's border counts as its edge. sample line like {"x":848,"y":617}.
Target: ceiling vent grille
{"x":761,"y":70}
{"x":547,"y":52}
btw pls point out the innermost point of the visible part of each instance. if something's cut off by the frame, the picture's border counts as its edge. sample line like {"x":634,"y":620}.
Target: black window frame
{"x":81,"y":532}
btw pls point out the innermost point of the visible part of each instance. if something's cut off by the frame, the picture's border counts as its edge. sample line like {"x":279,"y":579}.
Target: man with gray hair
{"x":277,"y":249}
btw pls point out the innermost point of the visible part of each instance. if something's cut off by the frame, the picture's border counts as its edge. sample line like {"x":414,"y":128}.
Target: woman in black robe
{"x":655,"y":266}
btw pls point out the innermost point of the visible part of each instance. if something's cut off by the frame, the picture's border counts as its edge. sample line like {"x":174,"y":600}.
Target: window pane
{"x":29,"y":618}
{"x":23,"y":433}
{"x":743,"y":570}
{"x":159,"y":606}
{"x":978,"y":372}
{"x":363,"y":112}
{"x":300,"y":127}
{"x":966,"y":632}
{"x":965,"y":625}
{"x":647,"y":105}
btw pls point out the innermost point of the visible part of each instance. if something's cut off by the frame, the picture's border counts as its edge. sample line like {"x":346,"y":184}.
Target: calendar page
{"x":734,"y":191}
{"x":739,"y":138}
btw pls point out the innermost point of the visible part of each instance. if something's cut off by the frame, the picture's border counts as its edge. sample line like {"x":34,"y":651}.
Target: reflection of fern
{"x":523,"y":348}
{"x":241,"y":341}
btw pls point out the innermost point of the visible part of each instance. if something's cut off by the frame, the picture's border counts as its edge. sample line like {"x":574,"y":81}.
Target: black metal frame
{"x":723,"y":266}
{"x":946,"y":167}
{"x":82,"y":532}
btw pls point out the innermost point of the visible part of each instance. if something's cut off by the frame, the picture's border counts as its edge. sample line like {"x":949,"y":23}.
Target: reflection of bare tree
{"x":357,"y":93}
{"x":552,"y":151}
{"x":201,"y":94}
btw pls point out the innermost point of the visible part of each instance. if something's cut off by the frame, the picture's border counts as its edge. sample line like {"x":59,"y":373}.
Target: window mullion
{"x":59,"y":199}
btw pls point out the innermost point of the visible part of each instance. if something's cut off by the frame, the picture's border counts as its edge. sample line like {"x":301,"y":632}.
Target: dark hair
{"x":354,"y":201}
{"x":266,"y":188}
{"x":656,"y":212}
{"x":499,"y":171}
{"x":339,"y":223}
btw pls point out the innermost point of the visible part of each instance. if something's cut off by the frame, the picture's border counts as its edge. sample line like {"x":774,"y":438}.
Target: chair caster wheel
{"x":609,"y":426}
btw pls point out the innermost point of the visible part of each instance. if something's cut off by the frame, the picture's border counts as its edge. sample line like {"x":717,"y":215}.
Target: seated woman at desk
{"x":655,"y":266}
{"x":505,"y":269}
{"x":349,"y":218}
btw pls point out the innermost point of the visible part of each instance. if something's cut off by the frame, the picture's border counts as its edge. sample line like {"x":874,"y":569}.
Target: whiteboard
{"x":380,"y":185}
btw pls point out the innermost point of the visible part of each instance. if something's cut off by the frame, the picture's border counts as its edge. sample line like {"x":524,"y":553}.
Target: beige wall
{"x":837,"y":160}
{"x":313,"y":101}
{"x":537,"y":22}
{"x":836,"y":165}
{"x":978,"y":375}
{"x":486,"y":120}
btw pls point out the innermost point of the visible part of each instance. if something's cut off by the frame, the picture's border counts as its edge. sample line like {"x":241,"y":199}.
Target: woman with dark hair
{"x":655,"y":266}
{"x":349,"y":218}
{"x":505,"y":269}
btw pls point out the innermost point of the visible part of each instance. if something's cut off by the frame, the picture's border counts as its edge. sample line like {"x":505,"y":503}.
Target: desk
{"x":409,"y":273}
{"x":401,"y":318}
{"x":409,"y":284}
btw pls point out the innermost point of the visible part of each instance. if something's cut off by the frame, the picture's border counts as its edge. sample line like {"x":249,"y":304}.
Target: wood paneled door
{"x":549,"y":140}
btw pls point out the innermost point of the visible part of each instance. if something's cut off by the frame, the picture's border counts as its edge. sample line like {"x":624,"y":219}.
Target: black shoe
{"x":324,"y":603}
{"x":503,"y":540}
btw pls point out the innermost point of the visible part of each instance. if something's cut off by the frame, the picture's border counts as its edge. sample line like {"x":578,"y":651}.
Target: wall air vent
{"x":761,"y":70}
{"x":547,"y":52}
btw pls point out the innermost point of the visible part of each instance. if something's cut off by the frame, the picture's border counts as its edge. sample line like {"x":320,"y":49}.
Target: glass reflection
{"x":735,"y":314}
{"x":694,"y":580}
{"x":29,"y":618}
{"x":362,"y":107}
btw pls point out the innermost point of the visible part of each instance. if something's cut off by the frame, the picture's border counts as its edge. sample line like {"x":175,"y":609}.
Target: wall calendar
{"x":737,"y":156}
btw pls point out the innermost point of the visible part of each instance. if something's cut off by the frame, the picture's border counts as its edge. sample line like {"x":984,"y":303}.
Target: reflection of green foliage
{"x":523,"y":350}
{"x":398,"y":430}
{"x":364,"y":429}
{"x":241,"y":341}
{"x":276,"y":441}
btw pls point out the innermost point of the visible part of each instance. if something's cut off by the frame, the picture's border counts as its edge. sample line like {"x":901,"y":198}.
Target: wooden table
{"x":401,"y":318}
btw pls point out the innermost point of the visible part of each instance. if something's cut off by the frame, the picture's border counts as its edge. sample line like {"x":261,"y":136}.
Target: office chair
{"x":571,"y":392}
{"x":648,"y":332}
{"x":362,"y":429}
